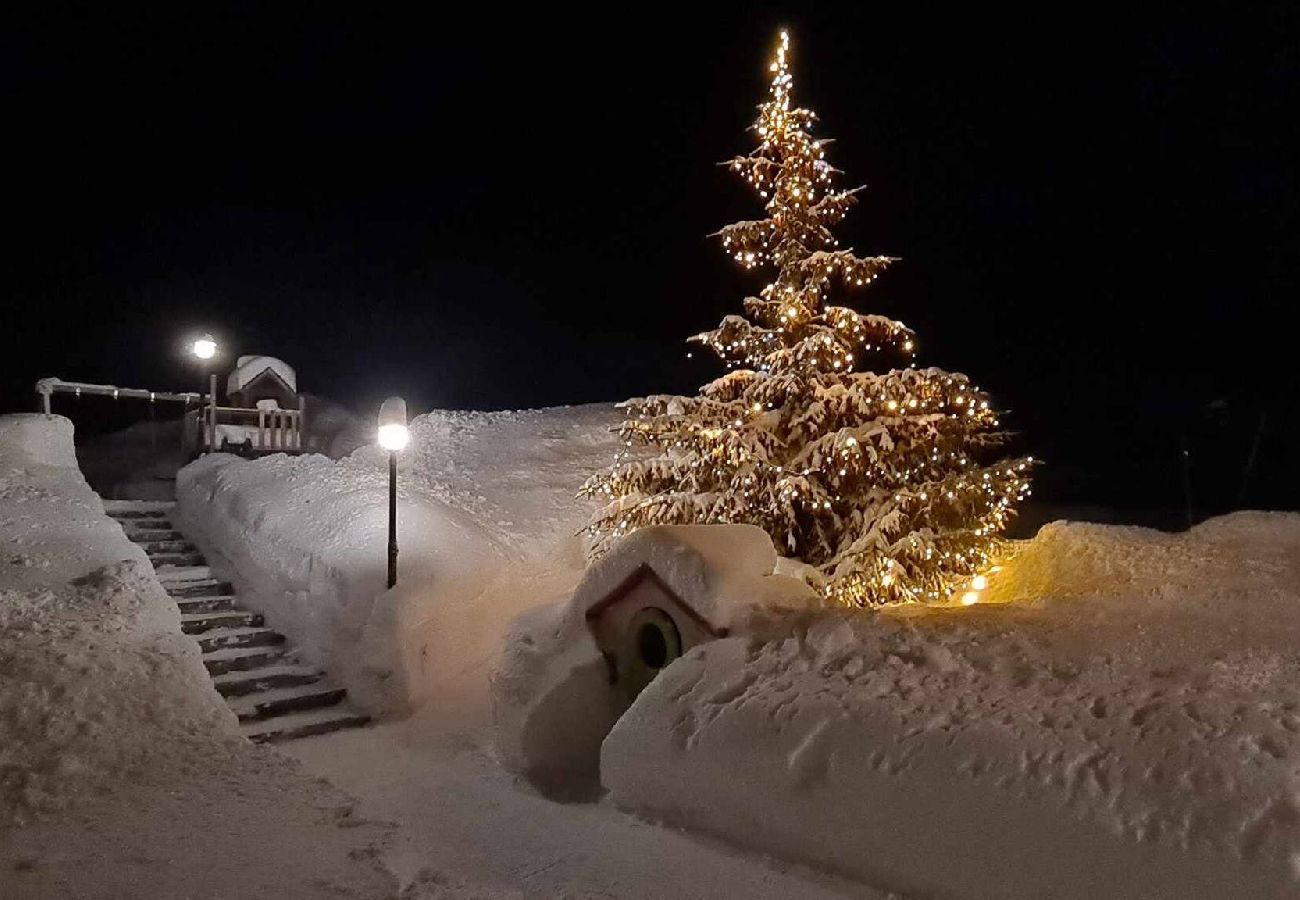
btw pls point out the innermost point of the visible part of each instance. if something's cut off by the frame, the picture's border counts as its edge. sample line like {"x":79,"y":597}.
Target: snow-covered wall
{"x":486,"y":529}
{"x":1128,"y":725}
{"x":98,"y":686}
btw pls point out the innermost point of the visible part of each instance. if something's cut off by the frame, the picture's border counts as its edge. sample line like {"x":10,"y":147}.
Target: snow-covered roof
{"x":249,"y":367}
{"x":725,"y":573}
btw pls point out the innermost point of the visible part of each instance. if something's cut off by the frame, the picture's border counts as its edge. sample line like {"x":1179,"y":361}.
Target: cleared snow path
{"x":460,"y":819}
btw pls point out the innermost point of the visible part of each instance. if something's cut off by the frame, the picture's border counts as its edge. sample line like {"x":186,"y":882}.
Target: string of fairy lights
{"x":879,"y":481}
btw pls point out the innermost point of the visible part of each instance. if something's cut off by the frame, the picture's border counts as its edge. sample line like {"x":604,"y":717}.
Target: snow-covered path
{"x":488,"y":516}
{"x":463,"y":826}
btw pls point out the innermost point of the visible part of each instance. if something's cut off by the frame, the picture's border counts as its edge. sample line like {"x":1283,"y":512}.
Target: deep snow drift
{"x":115,"y":751}
{"x":1128,"y":725}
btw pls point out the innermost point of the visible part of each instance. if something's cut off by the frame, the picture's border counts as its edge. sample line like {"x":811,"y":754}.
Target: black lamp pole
{"x":393,"y":436}
{"x":392,"y":518}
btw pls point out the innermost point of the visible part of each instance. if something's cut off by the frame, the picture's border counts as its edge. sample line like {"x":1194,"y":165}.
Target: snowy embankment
{"x":1128,"y":725}
{"x":486,"y":527}
{"x":97,"y":677}
{"x":115,"y":750}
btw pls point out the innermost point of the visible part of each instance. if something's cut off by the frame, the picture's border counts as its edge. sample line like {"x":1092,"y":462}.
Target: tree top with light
{"x":884,"y":483}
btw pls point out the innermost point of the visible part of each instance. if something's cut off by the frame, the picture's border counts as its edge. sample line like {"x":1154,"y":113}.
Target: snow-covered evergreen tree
{"x":881,"y":482}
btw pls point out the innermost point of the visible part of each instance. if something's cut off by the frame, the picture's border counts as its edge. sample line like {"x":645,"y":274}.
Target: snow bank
{"x":553,"y":702}
{"x":1126,"y":724}
{"x":486,"y":526}
{"x":97,"y":683}
{"x":35,"y":440}
{"x":115,"y":750}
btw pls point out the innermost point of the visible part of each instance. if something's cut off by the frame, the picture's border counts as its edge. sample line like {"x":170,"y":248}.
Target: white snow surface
{"x":1120,"y":719}
{"x":1126,"y":725}
{"x":115,"y":751}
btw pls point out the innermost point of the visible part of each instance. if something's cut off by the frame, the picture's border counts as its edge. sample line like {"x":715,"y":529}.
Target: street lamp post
{"x":205,"y":348}
{"x":393,"y":436}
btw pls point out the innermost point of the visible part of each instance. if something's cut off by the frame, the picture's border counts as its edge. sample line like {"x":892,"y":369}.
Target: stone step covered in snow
{"x":242,"y":659}
{"x":265,"y":678}
{"x":170,"y":575}
{"x":150,"y":525}
{"x":164,"y":545}
{"x":148,"y":535}
{"x":227,"y":638}
{"x":176,"y":559}
{"x":194,"y":605}
{"x":200,"y":622}
{"x":273,"y":696}
{"x":278,"y":701}
{"x":200,"y":587}
{"x":135,"y":510}
{"x":304,"y":724}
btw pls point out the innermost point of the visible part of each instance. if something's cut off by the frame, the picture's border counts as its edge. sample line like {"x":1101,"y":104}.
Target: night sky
{"x":1096,"y":212}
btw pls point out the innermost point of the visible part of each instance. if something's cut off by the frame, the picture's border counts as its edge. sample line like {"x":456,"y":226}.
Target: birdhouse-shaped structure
{"x":570,"y":671}
{"x":643,"y":625}
{"x":665,"y":589}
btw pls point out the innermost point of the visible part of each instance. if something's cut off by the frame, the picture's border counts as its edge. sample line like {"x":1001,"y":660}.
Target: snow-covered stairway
{"x":275,"y":697}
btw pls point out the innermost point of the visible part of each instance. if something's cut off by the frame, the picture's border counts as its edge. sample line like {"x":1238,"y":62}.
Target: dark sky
{"x":1096,"y":210}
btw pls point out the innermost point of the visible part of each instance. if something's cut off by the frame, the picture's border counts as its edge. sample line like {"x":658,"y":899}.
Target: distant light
{"x":979,"y":582}
{"x":205,"y":347}
{"x":970,"y":598}
{"x":394,"y":437}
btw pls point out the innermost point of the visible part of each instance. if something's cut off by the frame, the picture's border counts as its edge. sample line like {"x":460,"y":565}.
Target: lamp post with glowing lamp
{"x":205,"y":348}
{"x":393,"y":436}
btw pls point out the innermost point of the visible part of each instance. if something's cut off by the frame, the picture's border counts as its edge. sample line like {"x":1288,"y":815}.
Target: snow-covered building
{"x":263,"y":412}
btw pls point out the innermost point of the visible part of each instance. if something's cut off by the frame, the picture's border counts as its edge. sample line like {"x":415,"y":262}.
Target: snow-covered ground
{"x":1125,"y":723}
{"x":1119,"y":719}
{"x":122,"y":773}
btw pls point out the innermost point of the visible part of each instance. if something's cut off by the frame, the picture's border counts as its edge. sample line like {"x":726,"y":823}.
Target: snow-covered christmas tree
{"x":885,"y":483}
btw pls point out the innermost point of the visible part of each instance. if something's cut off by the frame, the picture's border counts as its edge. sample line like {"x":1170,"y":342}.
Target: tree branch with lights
{"x":886,"y":484}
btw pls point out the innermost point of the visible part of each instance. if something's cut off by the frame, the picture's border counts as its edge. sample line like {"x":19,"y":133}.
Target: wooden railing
{"x":262,"y":430}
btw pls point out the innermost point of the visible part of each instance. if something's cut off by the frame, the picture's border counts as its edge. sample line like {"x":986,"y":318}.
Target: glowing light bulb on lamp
{"x":394,"y":437}
{"x":393,"y":433}
{"x":205,"y":347}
